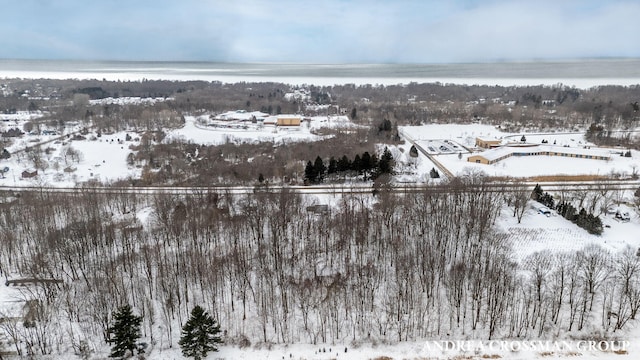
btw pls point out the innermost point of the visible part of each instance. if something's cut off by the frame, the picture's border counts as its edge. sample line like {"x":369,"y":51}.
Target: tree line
{"x":366,"y":165}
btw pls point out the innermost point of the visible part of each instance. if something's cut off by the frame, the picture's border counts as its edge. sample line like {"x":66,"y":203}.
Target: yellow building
{"x":288,"y":120}
{"x":487,"y":143}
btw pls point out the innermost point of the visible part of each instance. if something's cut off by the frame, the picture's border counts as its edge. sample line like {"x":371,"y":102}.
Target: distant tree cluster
{"x":542,"y":197}
{"x":14,"y":132}
{"x":388,"y":130}
{"x":367,"y":165}
{"x":314,"y":172}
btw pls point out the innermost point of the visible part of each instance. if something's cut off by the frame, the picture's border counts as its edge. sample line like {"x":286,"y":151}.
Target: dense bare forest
{"x":407,"y":267}
{"x":613,"y":107}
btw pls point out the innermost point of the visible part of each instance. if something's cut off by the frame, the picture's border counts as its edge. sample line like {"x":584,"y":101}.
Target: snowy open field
{"x":104,"y":158}
{"x":234,"y":77}
{"x":538,"y":232}
{"x":199,"y":130}
{"x":415,"y":351}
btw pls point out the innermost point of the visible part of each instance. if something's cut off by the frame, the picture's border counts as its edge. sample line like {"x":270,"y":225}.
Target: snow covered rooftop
{"x":586,"y":151}
{"x":487,"y":138}
{"x":241,"y":115}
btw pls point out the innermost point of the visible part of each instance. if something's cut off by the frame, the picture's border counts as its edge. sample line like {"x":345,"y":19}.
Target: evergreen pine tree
{"x":373,"y":163}
{"x":310,"y":173}
{"x":547,"y":200}
{"x":595,"y":225}
{"x":200,"y":335}
{"x":369,"y":165}
{"x":385,"y":126}
{"x":413,"y":151}
{"x":537,"y":193}
{"x":570,"y":213}
{"x":356,"y":164}
{"x":124,"y":332}
{"x":385,"y":165}
{"x":366,"y":162}
{"x":344,"y":164}
{"x":581,"y":218}
{"x":333,"y":166}
{"x":320,"y":169}
{"x":561,"y":208}
{"x":434,"y":173}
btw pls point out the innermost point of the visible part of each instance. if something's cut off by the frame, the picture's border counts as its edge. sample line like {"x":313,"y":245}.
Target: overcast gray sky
{"x":327,"y":31}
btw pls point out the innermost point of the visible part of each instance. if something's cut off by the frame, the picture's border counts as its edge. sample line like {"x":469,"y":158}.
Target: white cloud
{"x":322,"y":31}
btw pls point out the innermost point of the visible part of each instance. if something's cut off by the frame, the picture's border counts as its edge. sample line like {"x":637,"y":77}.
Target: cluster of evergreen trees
{"x":543,"y":197}
{"x":587,"y":221}
{"x":582,"y":218}
{"x":367,"y":165}
{"x":200,"y":334}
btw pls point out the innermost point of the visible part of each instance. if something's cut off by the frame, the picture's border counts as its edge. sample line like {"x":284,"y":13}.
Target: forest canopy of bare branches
{"x":409,"y":267}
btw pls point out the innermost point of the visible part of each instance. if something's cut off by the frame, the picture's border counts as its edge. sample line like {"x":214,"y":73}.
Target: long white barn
{"x":494,"y":155}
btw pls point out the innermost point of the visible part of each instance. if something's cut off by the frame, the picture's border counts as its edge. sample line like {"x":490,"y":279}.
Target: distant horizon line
{"x":494,"y":61}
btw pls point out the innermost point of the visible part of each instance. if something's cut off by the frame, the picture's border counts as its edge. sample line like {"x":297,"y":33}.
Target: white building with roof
{"x":494,"y":155}
{"x":241,"y":115}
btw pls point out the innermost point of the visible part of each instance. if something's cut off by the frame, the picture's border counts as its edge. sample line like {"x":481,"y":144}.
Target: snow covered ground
{"x":202,"y":131}
{"x":546,"y":165}
{"x":105,"y":158}
{"x":539,"y":232}
{"x":472,"y":350}
{"x":20,"y":117}
{"x":98,"y":158}
{"x":128,"y":100}
{"x":231,"y":78}
{"x":465,"y":135}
